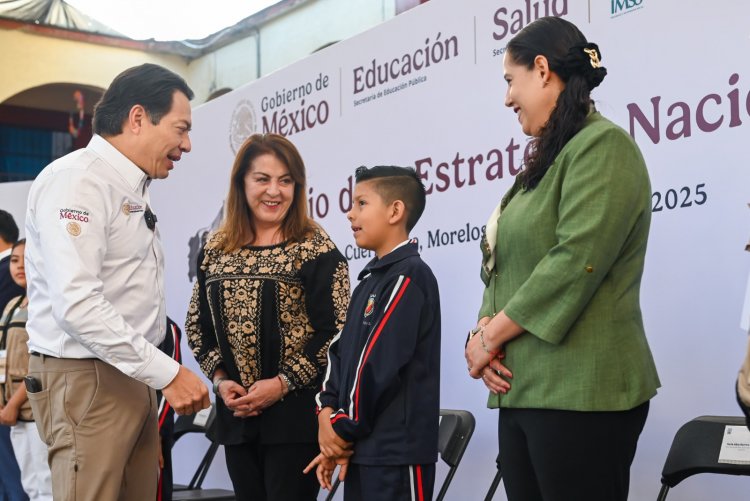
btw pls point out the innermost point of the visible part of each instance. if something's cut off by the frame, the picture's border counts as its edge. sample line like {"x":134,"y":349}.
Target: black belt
{"x":37,"y":354}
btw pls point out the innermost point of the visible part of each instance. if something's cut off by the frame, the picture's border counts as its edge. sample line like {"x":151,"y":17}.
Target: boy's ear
{"x":397,"y":212}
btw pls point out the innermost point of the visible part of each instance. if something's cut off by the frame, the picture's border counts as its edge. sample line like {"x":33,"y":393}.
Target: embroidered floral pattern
{"x":208,"y":358}
{"x":341,"y":293}
{"x":233,"y":285}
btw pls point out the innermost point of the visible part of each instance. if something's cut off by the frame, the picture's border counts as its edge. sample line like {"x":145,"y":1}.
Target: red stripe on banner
{"x":372,"y":343}
{"x":420,"y":491}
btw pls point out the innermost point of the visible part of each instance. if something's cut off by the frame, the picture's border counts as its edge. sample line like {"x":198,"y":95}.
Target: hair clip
{"x":594,"y":57}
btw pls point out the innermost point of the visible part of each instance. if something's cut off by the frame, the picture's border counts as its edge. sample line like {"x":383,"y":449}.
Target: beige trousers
{"x":100,"y":427}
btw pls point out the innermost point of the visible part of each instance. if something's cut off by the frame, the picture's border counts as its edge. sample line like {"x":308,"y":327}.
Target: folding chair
{"x":456,"y":428}
{"x":695,"y":449}
{"x":495,"y":481}
{"x":200,"y":422}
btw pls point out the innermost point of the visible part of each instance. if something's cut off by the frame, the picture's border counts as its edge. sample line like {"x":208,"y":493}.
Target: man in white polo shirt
{"x":95,"y":273}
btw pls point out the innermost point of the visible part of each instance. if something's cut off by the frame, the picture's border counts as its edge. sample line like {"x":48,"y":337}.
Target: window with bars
{"x":24,"y":152}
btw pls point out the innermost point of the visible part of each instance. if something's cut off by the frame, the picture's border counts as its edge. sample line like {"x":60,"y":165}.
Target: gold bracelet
{"x":484,"y":345}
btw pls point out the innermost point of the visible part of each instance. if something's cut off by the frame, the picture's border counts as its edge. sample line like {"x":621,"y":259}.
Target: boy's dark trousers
{"x":389,"y":483}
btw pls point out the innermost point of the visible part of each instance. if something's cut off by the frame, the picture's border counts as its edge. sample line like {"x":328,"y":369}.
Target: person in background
{"x":271,"y":292}
{"x":8,"y":236}
{"x":29,"y":450}
{"x":97,"y":311}
{"x":563,"y":258}
{"x":11,"y":488}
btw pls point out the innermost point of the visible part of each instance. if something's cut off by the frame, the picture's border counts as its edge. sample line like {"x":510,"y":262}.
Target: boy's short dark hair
{"x":397,"y":183}
{"x":149,"y":85}
{"x":8,"y":227}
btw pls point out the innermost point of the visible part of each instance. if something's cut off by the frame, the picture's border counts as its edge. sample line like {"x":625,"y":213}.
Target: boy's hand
{"x":343,"y":463}
{"x":325,"y":468}
{"x":331,"y":445}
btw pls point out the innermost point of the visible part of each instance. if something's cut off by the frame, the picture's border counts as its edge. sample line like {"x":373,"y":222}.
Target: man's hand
{"x":186,"y":393}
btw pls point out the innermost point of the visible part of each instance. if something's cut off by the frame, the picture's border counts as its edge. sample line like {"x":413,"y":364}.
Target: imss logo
{"x":620,"y":7}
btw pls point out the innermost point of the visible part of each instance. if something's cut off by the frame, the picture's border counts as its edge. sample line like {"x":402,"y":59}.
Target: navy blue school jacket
{"x":383,"y":376}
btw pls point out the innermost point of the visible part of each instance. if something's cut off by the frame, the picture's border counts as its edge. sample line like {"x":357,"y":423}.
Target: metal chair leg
{"x":663,"y":492}
{"x":446,"y":484}
{"x":334,"y":487}
{"x":495,"y":483}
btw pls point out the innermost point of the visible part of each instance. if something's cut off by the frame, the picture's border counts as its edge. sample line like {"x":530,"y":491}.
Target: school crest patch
{"x":370,"y":305}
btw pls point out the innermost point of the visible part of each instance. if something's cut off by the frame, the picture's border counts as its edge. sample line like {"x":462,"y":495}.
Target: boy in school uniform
{"x":379,"y":403}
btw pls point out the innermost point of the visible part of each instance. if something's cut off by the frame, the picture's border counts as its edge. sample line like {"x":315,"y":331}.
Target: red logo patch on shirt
{"x":370,"y":305}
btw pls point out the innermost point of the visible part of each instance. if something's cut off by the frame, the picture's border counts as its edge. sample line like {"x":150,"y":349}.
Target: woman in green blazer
{"x":560,"y":340}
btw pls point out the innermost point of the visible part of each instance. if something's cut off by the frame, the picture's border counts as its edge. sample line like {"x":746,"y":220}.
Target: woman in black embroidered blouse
{"x":272,"y":291}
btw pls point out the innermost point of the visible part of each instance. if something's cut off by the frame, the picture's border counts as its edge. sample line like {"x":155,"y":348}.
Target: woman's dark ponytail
{"x":578,"y":63}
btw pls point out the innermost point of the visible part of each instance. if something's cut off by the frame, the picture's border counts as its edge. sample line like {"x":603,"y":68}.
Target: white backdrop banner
{"x":13,"y":199}
{"x":426,"y":90}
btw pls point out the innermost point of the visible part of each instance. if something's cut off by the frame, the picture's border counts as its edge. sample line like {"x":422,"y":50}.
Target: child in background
{"x":30,"y":451}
